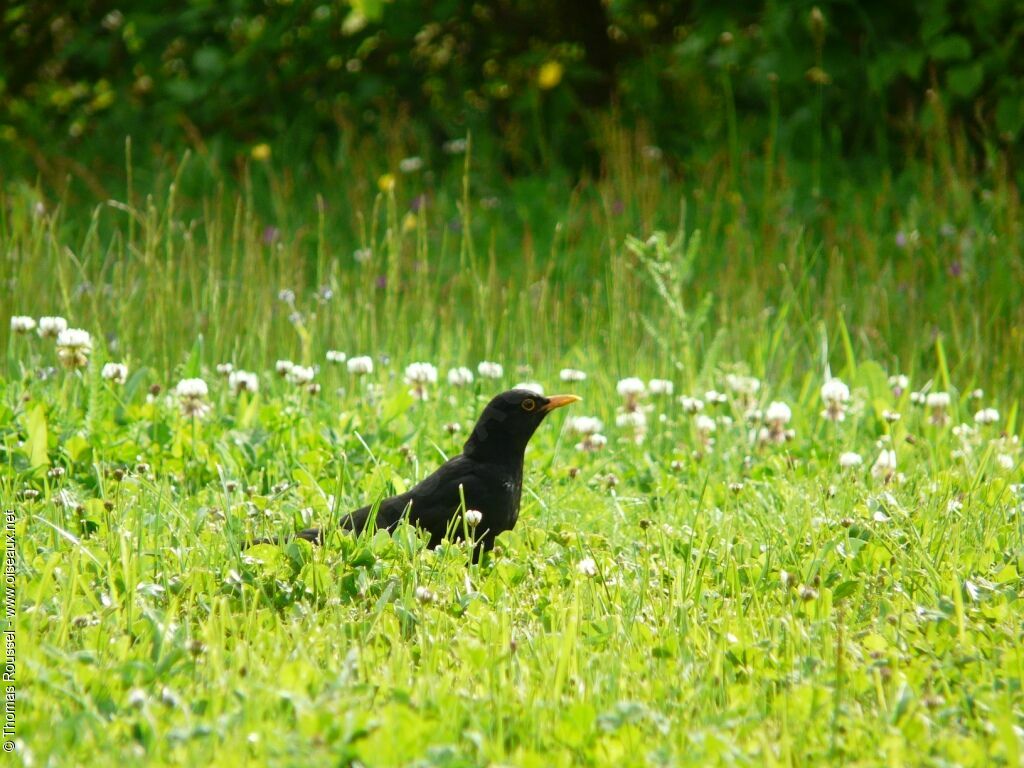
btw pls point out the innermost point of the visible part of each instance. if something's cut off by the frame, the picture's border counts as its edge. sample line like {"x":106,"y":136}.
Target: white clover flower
{"x":1005,"y":461}
{"x":937,"y":403}
{"x":334,"y":356}
{"x":74,"y":347}
{"x":424,"y":595}
{"x":898,"y":384}
{"x":115,"y":372}
{"x":691,"y":404}
{"x":192,"y":395}
{"x":987,"y":416}
{"x":660,"y":386}
{"x":917,"y":398}
{"x":301,"y":374}
{"x":585,"y":425}
{"x":460,"y":377}
{"x":850,"y":459}
{"x":747,"y":386}
{"x":360,"y":366}
{"x":474,"y":517}
{"x":713,"y":397}
{"x":455,"y":146}
{"x":530,"y":386}
{"x":587,"y":567}
{"x":420,"y":373}
{"x":630,"y":387}
{"x":489,"y":370}
{"x":362,"y":255}
{"x":891,"y":416}
{"x":592,"y":443}
{"x":572,"y":375}
{"x":243,"y":381}
{"x":963,"y":431}
{"x":836,"y":395}
{"x":778,"y":413}
{"x":410,"y":164}
{"x":835,"y":391}
{"x":885,"y":465}
{"x":225,"y":369}
{"x":192,"y":388}
{"x":50,"y":327}
{"x":705,"y":424}
{"x":22,"y":324}
{"x":283,"y":367}
{"x":631,"y":419}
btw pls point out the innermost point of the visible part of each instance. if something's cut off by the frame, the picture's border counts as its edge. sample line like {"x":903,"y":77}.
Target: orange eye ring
{"x":529,"y":404}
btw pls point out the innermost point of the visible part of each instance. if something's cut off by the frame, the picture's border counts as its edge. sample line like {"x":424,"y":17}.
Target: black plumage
{"x":488,"y":475}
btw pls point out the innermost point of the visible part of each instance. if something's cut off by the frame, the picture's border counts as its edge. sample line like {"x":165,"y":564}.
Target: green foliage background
{"x":315,"y":76}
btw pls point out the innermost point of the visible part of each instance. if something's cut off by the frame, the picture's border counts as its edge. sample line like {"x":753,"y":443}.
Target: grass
{"x":753,"y":603}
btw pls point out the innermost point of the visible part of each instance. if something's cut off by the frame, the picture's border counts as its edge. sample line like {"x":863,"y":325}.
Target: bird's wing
{"x":436,"y":500}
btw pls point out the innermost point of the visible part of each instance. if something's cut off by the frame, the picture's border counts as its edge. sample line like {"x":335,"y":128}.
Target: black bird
{"x":488,"y":474}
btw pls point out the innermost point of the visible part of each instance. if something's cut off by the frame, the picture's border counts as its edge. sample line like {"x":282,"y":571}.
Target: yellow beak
{"x":557,"y":401}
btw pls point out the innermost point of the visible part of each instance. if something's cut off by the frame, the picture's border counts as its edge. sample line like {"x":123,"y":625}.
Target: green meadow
{"x":764,"y":547}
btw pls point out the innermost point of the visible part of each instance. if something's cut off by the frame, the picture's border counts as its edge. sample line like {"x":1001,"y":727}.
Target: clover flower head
{"x":50,"y":327}
{"x":987,"y":416}
{"x":22,"y":324}
{"x":937,"y":404}
{"x":410,"y":164}
{"x":585,"y":425}
{"x":360,"y":366}
{"x":530,"y":386}
{"x":835,"y":395}
{"x":283,"y":367}
{"x":474,"y":517}
{"x":631,"y":387}
{"x":850,"y":459}
{"x":116,"y":373}
{"x":705,"y":424}
{"x":898,"y":384}
{"x":489,"y":370}
{"x":334,"y":356}
{"x":631,"y":419}
{"x":778,"y":413}
{"x":243,"y":381}
{"x":587,"y":567}
{"x":835,"y":391}
{"x":460,"y":377}
{"x":301,"y":374}
{"x":572,"y":375}
{"x":713,"y":397}
{"x":885,"y":465}
{"x":691,"y":405}
{"x":74,"y":347}
{"x":192,"y":394}
{"x":592,"y":442}
{"x":225,"y":369}
{"x":746,"y":386}
{"x":660,"y":386}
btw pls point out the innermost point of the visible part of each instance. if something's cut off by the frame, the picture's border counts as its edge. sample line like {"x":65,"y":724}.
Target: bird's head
{"x":509,"y":421}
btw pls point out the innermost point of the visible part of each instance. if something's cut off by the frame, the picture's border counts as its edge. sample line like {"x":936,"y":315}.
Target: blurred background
{"x":538,"y":84}
{"x":848,"y":169}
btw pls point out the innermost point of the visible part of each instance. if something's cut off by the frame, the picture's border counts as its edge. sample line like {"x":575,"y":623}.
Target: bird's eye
{"x":529,"y":405}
